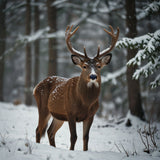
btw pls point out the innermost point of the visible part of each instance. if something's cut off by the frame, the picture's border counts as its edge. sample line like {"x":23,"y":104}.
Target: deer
{"x":75,"y":99}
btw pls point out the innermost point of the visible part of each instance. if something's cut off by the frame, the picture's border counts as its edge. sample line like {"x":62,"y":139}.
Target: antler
{"x":113,"y":42}
{"x":68,"y":35}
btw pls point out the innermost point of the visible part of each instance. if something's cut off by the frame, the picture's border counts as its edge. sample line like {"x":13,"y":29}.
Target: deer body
{"x":73,"y":100}
{"x":67,"y":96}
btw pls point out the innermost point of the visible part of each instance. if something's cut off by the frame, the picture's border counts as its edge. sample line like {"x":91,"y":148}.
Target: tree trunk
{"x":52,"y":64}
{"x":28,"y":90}
{"x":36,"y":45}
{"x":134,"y":94}
{"x":2,"y":45}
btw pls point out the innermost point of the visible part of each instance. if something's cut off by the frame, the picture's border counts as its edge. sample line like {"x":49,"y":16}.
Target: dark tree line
{"x":2,"y":44}
{"x":134,"y":93}
{"x":28,"y":71}
{"x":36,"y":43}
{"x":52,"y":23}
{"x":52,"y":54}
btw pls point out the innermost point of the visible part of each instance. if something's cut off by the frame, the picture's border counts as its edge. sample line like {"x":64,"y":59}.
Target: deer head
{"x":91,"y":66}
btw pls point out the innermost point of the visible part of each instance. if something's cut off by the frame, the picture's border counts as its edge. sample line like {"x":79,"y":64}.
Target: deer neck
{"x":88,"y":94}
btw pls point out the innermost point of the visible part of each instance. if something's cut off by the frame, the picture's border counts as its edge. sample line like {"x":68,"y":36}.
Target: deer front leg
{"x":72,"y":127}
{"x":86,"y":127}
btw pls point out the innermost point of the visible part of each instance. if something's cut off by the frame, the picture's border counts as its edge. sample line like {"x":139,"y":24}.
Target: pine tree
{"x":147,"y":58}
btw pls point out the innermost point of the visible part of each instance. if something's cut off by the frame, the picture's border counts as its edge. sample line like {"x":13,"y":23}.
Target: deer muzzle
{"x":93,"y":76}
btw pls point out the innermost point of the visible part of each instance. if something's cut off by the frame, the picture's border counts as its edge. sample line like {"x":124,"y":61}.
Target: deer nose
{"x":93,"y":76}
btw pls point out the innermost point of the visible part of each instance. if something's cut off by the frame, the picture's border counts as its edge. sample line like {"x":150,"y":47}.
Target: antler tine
{"x":67,"y":29}
{"x":112,"y":30}
{"x":98,"y":51}
{"x":113,"y":41}
{"x":71,"y":28}
{"x":68,"y":35}
{"x":75,"y":30}
{"x":85,"y":53}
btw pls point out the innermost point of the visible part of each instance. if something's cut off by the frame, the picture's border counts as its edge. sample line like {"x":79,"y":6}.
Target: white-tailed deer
{"x":75,"y":99}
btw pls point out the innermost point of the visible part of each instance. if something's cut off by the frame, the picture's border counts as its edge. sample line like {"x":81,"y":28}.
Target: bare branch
{"x":140,"y":133}
{"x":117,"y":147}
{"x":125,"y":151}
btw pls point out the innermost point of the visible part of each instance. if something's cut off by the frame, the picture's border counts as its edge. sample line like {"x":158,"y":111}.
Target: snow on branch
{"x":135,"y":43}
{"x":89,"y":7}
{"x":41,"y":34}
{"x":148,"y":52}
{"x":58,"y":2}
{"x":34,"y":36}
{"x":90,"y":20}
{"x":13,"y":49}
{"x":152,"y":8}
{"x":58,"y":34}
{"x":65,"y":4}
{"x":156,"y":82}
{"x":81,"y":19}
{"x":15,"y":6}
{"x":146,"y":70}
{"x":113,"y":76}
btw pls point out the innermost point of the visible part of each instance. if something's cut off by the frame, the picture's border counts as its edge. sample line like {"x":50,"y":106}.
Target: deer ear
{"x":106,"y":59}
{"x":76,"y":60}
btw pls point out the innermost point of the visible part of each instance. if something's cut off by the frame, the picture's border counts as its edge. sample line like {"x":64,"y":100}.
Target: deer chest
{"x":85,"y":112}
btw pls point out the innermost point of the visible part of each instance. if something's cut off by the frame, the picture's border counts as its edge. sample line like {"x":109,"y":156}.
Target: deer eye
{"x":84,"y":67}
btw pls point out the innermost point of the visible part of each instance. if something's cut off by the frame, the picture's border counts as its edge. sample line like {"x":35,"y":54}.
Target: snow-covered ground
{"x":17,"y":139}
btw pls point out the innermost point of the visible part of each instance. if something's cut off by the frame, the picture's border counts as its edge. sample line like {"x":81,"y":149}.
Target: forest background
{"x":32,"y":47}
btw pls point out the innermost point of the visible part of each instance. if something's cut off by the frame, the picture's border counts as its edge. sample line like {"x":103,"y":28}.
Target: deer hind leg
{"x":44,"y":116}
{"x":54,"y":127}
{"x":86,"y":127}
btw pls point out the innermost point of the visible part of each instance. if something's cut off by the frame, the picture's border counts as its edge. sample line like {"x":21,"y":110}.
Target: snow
{"x":17,"y":138}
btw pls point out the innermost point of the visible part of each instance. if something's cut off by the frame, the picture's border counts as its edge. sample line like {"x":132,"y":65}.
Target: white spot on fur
{"x":92,"y":82}
{"x":93,"y":71}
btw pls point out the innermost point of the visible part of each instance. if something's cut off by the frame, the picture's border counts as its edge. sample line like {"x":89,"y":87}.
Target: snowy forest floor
{"x":17,"y":139}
